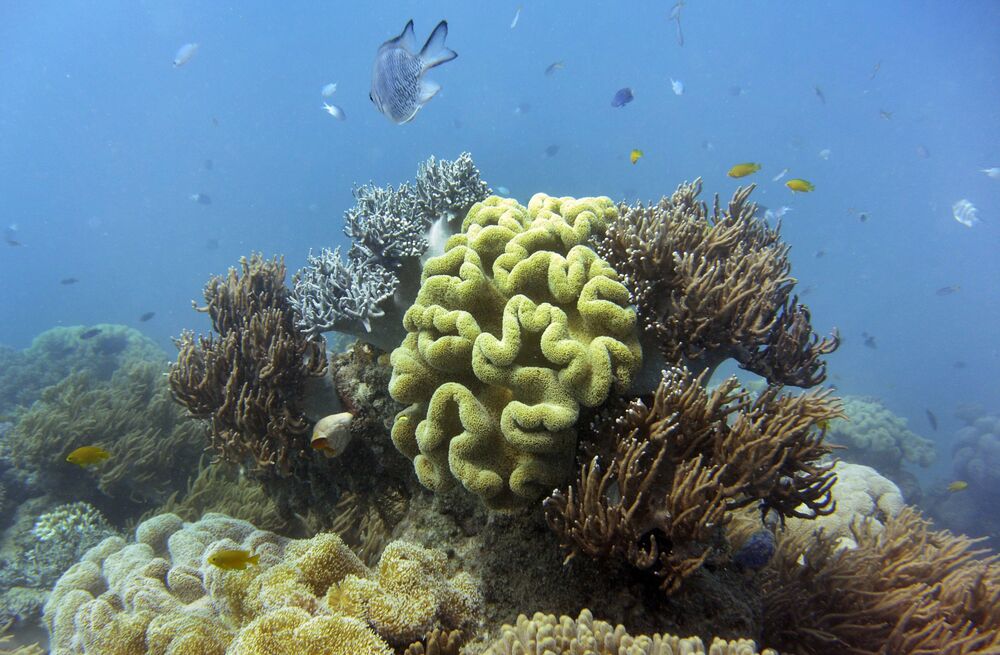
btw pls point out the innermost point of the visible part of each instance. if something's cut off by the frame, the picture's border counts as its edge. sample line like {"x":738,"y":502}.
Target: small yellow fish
{"x":635,"y":155}
{"x":823,"y":424}
{"x":958,"y":485}
{"x":742,"y":170}
{"x":87,"y":456}
{"x":798,"y":184}
{"x":231,"y":560}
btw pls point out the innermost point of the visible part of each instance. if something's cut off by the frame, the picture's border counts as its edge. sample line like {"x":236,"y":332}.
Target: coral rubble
{"x":516,"y":326}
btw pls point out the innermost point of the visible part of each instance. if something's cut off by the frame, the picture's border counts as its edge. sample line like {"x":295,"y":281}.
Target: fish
{"x":823,"y":424}
{"x":863,"y":216}
{"x":90,"y":334}
{"x":885,"y":115}
{"x":184,"y":54}
{"x":551,"y":69}
{"x":775,"y":214}
{"x":503,"y":191}
{"x":965,"y":213}
{"x":875,"y":70}
{"x":10,"y":235}
{"x":742,"y":170}
{"x":737,"y":91}
{"x":517,"y":16}
{"x":211,"y":244}
{"x":931,"y":419}
{"x":200,"y":198}
{"x":798,"y":185}
{"x":819,"y":94}
{"x":924,"y":153}
{"x":991,"y":172}
{"x":88,"y":456}
{"x":675,"y":16}
{"x":552,"y":150}
{"x":147,"y":316}
{"x":820,"y":253}
{"x":332,"y":434}
{"x":825,"y":153}
{"x":335,"y":111}
{"x":232,"y":560}
{"x":948,"y":290}
{"x":958,"y":485}
{"x":399,"y":89}
{"x":329,"y":89}
{"x":869,"y":341}
{"x":707,"y":145}
{"x":783,"y":173}
{"x":622,"y":97}
{"x":69,"y":280}
{"x":635,"y":155}
{"x":677,"y":86}
{"x":522,"y":108}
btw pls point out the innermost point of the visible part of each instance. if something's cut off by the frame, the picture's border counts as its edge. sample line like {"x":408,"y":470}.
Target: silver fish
{"x":399,"y":89}
{"x":184,"y":54}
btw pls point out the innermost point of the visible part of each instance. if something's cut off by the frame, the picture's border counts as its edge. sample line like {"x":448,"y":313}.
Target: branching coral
{"x":679,"y":466}
{"x":306,"y":597}
{"x":247,"y":380}
{"x":546,"y":635}
{"x":711,"y":286}
{"x":516,"y":326}
{"x":389,"y":231}
{"x":904,"y":589}
{"x":131,"y":416}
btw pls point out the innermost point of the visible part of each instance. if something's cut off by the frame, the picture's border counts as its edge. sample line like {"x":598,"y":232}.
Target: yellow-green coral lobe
{"x":516,"y":326}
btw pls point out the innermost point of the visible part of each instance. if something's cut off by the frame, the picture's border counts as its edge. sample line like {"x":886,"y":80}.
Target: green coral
{"x":516,"y":326}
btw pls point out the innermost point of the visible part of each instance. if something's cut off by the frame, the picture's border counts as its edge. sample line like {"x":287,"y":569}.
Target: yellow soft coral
{"x":516,"y":326}
{"x":306,"y":597}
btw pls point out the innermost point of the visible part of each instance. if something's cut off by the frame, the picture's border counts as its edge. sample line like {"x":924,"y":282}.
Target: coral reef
{"x":132,"y":416}
{"x":903,"y":589}
{"x":710,"y":286}
{"x":680,"y":465}
{"x":389,"y":230}
{"x":57,"y":352}
{"x":976,"y":456}
{"x":311,"y":596}
{"x":547,"y":635}
{"x":248,"y":378}
{"x":876,"y":437}
{"x":516,"y":326}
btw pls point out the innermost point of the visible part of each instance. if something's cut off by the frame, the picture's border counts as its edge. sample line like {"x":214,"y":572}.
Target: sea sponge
{"x":516,"y":326}
{"x":160,"y":595}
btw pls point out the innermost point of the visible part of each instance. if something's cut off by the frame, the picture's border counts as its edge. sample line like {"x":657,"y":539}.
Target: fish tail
{"x":434,"y":53}
{"x":254,"y":559}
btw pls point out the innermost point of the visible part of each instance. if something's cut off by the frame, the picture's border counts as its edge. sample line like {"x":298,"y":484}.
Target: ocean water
{"x":103,"y":142}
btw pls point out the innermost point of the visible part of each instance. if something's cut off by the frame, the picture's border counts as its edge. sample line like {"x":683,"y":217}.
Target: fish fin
{"x":254,"y":559}
{"x":434,"y":53}
{"x":406,"y":39}
{"x":428,"y":90}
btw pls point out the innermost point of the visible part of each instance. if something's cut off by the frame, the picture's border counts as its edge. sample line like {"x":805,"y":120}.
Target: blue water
{"x":102,"y":141}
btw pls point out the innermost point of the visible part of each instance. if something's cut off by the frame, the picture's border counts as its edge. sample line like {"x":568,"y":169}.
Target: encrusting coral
{"x":390,"y":229}
{"x":516,"y":326}
{"x":313,"y":596}
{"x":710,"y":286}
{"x":903,"y":589}
{"x":661,"y":494}
{"x":546,"y":635}
{"x":132,"y":416}
{"x":248,"y":378}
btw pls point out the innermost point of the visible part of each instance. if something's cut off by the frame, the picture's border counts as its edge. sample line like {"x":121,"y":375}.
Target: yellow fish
{"x":88,"y":456}
{"x":823,"y":424}
{"x":231,"y":560}
{"x":958,"y":485}
{"x":798,"y":184}
{"x":742,"y":170}
{"x":635,"y":155}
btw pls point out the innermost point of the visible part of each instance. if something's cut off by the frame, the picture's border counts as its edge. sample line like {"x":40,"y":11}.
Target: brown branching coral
{"x":247,"y":379}
{"x":904,"y":590}
{"x":679,"y":466}
{"x":711,"y":286}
